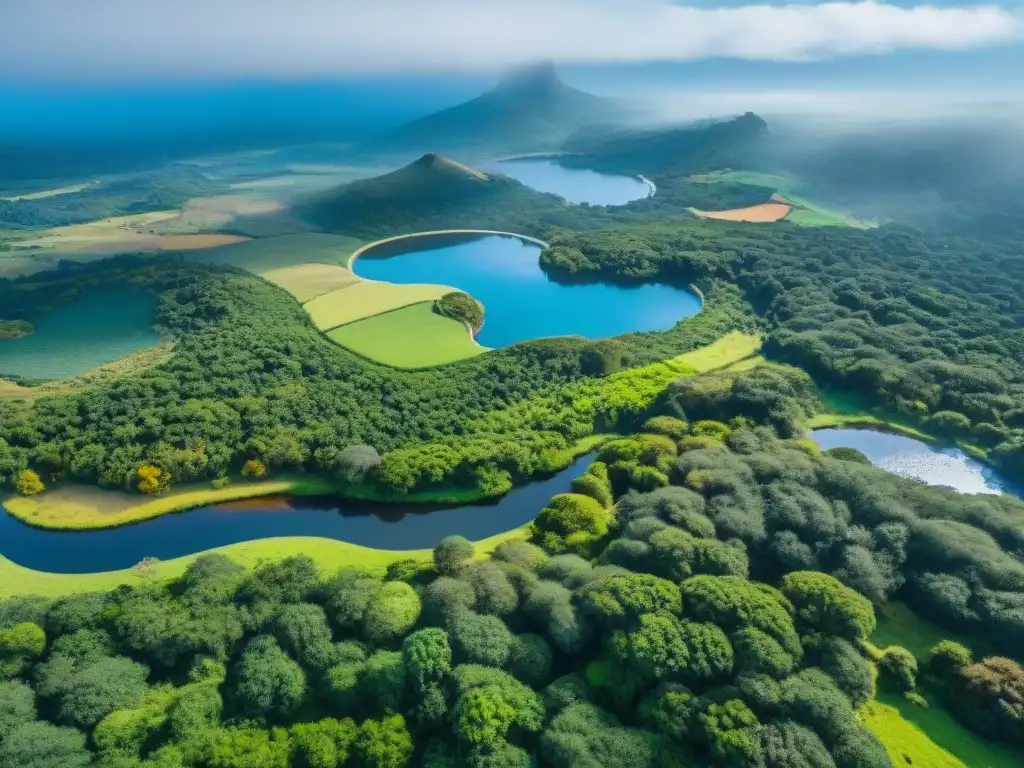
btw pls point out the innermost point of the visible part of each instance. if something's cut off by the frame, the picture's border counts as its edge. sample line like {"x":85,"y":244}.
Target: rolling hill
{"x":530,"y":110}
{"x":433,"y":192}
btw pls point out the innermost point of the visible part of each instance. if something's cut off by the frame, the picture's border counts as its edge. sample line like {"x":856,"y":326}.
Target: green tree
{"x":481,"y":639}
{"x":482,"y":717}
{"x":384,"y":743}
{"x":302,"y":631}
{"x":392,"y":612}
{"x":356,"y":463}
{"x":42,"y":745}
{"x":19,"y":646}
{"x":267,"y":683}
{"x":326,"y":743}
{"x":427,"y":655}
{"x":824,"y":604}
{"x":17,"y":706}
{"x":451,"y":553}
{"x":248,"y":747}
{"x":898,"y":668}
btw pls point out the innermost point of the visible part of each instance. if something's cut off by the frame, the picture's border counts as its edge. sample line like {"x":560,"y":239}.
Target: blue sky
{"x":164,"y":64}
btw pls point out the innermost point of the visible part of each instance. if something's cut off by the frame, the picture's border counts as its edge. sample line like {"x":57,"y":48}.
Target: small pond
{"x":577,"y":185}
{"x":520,"y":301}
{"x":93,"y":331}
{"x":378,"y":525}
{"x":917,"y":460}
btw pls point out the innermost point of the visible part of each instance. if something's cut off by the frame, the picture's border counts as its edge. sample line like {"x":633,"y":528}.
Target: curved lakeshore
{"x":523,"y":302}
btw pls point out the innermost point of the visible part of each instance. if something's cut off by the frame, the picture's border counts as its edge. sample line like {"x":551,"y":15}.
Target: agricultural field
{"x":787,"y":191}
{"x":756,"y":214}
{"x":411,"y":337}
{"x":307,"y":281}
{"x":270,"y":253}
{"x":365,"y":299}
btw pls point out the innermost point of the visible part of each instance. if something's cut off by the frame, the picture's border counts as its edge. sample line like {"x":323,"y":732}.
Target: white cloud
{"x":229,"y":38}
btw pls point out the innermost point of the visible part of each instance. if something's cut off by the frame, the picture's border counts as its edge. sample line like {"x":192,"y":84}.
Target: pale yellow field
{"x":70,"y":190}
{"x":365,"y":299}
{"x":124,"y":234}
{"x":756,"y":214}
{"x":307,"y":281}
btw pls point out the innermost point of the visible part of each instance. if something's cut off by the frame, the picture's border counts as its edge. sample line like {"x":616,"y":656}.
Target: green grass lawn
{"x":929,"y":736}
{"x":410,"y":337}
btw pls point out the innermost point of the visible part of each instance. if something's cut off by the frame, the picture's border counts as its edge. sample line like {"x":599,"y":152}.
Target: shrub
{"x":254,"y":469}
{"x":898,"y":668}
{"x":452,"y":552}
{"x":28,"y":483}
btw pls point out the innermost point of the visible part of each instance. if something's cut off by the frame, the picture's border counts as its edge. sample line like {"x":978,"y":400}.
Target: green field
{"x":411,"y":337}
{"x":367,"y":298}
{"x":289,"y":250}
{"x":930,"y":735}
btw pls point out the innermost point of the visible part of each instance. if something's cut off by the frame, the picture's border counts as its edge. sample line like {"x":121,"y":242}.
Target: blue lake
{"x":910,"y":458}
{"x":72,"y":339}
{"x":520,"y":301}
{"x":576,"y":185}
{"x":370,"y":524}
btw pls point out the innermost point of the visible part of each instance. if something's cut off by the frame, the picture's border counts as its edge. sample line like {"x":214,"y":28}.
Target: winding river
{"x":521,"y":302}
{"x":378,"y":525}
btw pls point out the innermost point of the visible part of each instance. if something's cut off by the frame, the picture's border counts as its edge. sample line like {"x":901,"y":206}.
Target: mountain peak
{"x":531,"y":77}
{"x":432,"y":161}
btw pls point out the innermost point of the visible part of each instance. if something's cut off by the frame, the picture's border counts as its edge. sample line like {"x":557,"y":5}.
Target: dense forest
{"x":929,"y":326}
{"x":702,"y":597}
{"x":252,"y":378}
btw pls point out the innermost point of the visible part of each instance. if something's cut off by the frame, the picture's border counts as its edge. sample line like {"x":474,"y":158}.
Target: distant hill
{"x":530,"y":110}
{"x":433,"y":192}
{"x":692,"y":149}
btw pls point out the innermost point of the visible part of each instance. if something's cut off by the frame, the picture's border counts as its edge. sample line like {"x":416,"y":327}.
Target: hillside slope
{"x":433,"y":192}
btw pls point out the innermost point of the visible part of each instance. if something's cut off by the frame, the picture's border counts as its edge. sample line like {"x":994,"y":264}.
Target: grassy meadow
{"x":926,"y":736}
{"x":411,"y":337}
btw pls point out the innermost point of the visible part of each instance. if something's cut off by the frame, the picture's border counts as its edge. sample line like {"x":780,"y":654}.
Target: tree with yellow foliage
{"x":152,"y":479}
{"x":29,"y":483}
{"x":254,"y":469}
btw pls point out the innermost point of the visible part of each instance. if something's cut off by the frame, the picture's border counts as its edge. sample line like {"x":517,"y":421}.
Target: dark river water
{"x":574,"y":184}
{"x":914,"y":459}
{"x":377,"y":525}
{"x":520,"y":301}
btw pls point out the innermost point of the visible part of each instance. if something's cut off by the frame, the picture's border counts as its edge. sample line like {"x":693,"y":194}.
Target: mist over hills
{"x":529,"y":110}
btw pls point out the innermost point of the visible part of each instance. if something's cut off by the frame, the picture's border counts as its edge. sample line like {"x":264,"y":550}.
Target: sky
{"x":340,"y":67}
{"x":126,"y":40}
